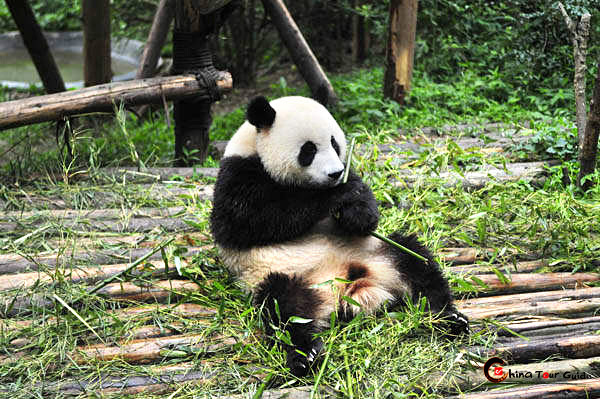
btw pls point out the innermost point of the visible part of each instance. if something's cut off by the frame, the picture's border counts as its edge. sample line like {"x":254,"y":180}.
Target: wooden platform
{"x":538,"y":316}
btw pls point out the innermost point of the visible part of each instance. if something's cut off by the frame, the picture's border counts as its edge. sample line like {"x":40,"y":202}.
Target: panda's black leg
{"x":427,"y":280}
{"x":287,"y":296}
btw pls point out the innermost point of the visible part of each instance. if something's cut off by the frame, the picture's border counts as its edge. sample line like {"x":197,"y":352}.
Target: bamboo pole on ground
{"x":532,"y":282}
{"x":37,"y":46}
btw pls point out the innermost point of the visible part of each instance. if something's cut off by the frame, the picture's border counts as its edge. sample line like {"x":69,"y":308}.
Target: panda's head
{"x":298,"y":141}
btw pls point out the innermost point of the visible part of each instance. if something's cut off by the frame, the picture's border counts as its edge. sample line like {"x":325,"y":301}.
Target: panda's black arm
{"x":251,"y":209}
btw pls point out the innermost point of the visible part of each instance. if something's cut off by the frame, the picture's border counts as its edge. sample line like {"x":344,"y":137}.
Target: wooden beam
{"x":36,"y":44}
{"x":301,"y":54}
{"x":400,"y":49}
{"x":589,"y":144}
{"x":156,"y":38}
{"x":96,"y":42}
{"x":102,"y":98}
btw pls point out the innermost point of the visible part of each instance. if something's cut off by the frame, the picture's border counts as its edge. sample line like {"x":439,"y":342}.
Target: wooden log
{"x":532,"y":282}
{"x":128,"y":226}
{"x":96,"y":42}
{"x":163,"y":17}
{"x":524,"y":327}
{"x":37,"y":46}
{"x":128,"y":385}
{"x":400,"y":49}
{"x":589,"y":145}
{"x":573,"y":348}
{"x":565,"y":308}
{"x":131,"y":174}
{"x":562,"y":370}
{"x":102,"y":98}
{"x":125,"y":292}
{"x":528,"y":171}
{"x":300,"y":52}
{"x":150,"y":350}
{"x":458,"y":256}
{"x":92,"y":214}
{"x":559,"y":303}
{"x":79,"y":274}
{"x":519,"y":267}
{"x":105,"y":199}
{"x":187,"y":310}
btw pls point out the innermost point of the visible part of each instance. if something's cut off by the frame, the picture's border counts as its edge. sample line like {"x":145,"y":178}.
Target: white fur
{"x":319,"y":256}
{"x":297,"y":120}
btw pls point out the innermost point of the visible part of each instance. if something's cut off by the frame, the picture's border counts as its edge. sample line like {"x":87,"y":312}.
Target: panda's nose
{"x":335,"y":175}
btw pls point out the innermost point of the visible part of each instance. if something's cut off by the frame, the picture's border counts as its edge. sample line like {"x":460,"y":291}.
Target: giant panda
{"x":285,"y":224}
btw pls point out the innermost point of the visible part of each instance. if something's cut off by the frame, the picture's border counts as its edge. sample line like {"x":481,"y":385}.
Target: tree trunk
{"x":589,"y":145}
{"x":301,"y":54}
{"x":36,"y":45}
{"x":156,"y":38}
{"x":191,"y":54}
{"x":102,"y":98}
{"x":96,"y":42}
{"x":400,"y":49}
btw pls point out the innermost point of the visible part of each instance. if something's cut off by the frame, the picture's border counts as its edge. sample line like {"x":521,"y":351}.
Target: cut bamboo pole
{"x":533,"y":297}
{"x":585,"y":389}
{"x":70,"y":259}
{"x":186,"y":310}
{"x":458,"y":256}
{"x":520,"y":267}
{"x":571,"y":347}
{"x":103,"y":98}
{"x":534,"y":282}
{"x":128,"y":292}
{"x":524,"y":327}
{"x":150,"y":350}
{"x":562,"y":370}
{"x":564,"y":308}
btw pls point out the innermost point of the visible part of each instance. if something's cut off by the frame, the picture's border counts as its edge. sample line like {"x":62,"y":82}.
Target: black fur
{"x":260,"y":113}
{"x":294,"y":297}
{"x":307,"y":153}
{"x":335,"y":145}
{"x":427,"y":280}
{"x":251,"y":209}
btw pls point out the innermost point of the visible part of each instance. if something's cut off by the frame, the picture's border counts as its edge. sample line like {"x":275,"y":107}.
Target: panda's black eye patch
{"x":335,"y":145}
{"x":307,"y":153}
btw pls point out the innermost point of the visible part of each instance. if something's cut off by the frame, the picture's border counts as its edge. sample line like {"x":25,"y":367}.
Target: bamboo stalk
{"x":522,"y":327}
{"x":546,"y":296}
{"x":534,"y":282}
{"x":562,"y":370}
{"x":186,"y":310}
{"x":570,"y":347}
{"x":149,"y":350}
{"x":563,"y":308}
{"x":458,"y":256}
{"x":519,"y":267}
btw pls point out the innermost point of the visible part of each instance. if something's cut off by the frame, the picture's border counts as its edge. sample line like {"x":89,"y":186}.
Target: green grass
{"x":393,"y":354}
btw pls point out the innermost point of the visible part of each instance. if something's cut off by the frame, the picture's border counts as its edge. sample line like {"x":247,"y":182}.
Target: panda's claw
{"x":457,"y":323}
{"x":300,"y":364}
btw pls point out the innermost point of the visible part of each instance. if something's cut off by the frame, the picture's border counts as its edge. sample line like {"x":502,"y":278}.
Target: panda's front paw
{"x":357,"y":218}
{"x":455,"y":323}
{"x":299,"y":364}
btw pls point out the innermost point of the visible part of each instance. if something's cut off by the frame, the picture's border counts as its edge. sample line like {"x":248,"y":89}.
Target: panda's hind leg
{"x":283,"y":296}
{"x":426,"y":279}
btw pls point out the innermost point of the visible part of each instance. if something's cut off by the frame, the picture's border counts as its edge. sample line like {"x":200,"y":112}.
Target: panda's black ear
{"x":260,"y":113}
